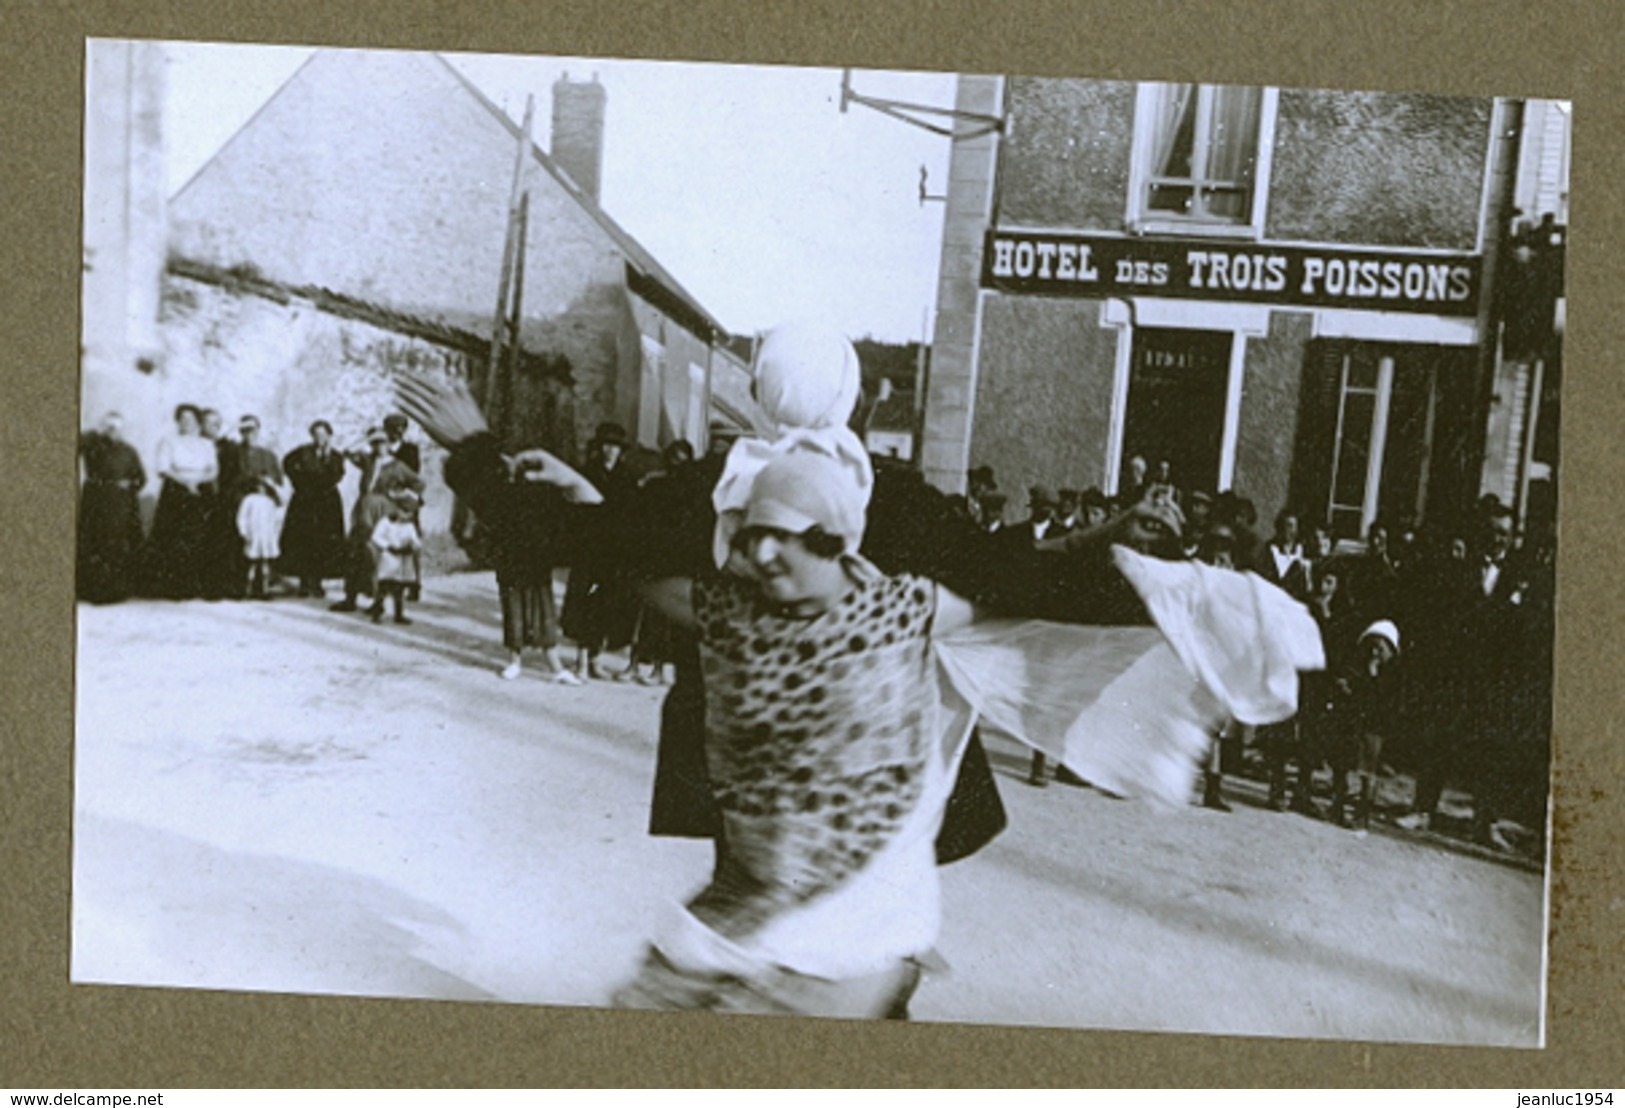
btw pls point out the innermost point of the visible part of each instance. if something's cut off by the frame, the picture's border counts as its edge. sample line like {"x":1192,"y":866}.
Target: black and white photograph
{"x":1039,"y":551}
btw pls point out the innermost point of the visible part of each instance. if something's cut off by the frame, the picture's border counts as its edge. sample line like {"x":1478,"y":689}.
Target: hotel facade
{"x":1300,"y":295}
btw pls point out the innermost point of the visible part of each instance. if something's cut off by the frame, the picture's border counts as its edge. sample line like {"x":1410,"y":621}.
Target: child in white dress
{"x":259,"y":522}
{"x":397,"y":547}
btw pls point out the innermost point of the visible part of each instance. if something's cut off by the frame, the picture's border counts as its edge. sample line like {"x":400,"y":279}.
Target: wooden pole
{"x":513,"y":244}
{"x":510,"y":327}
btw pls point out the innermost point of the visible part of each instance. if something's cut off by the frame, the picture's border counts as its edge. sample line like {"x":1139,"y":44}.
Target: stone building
{"x":1286,"y":292}
{"x":357,"y":223}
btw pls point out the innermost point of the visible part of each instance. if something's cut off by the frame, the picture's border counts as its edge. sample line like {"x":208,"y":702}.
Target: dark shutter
{"x":1316,"y":437}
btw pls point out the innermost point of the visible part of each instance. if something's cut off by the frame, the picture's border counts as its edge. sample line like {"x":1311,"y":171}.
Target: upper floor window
{"x":1201,"y":157}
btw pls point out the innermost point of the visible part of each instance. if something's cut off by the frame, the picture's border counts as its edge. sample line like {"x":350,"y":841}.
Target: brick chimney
{"x":578,"y":131}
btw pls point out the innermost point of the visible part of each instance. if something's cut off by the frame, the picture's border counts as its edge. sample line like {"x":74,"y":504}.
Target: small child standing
{"x":398,"y":546}
{"x":1360,"y":711}
{"x":259,"y":522}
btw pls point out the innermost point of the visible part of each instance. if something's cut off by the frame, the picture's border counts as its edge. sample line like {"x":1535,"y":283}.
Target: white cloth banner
{"x":1132,"y":709}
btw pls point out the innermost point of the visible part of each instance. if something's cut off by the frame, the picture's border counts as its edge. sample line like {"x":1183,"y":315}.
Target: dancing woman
{"x":838,"y":701}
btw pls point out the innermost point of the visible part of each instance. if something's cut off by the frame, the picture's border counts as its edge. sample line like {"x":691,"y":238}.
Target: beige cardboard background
{"x":56,"y":1037}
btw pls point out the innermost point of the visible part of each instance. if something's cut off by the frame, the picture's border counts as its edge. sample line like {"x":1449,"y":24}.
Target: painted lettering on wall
{"x":1102,"y":265}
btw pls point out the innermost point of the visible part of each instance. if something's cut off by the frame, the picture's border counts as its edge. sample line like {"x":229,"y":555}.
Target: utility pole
{"x":505,"y":321}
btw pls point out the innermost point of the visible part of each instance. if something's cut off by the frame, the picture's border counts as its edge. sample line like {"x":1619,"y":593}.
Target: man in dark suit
{"x":1480,"y":609}
{"x":1068,"y":512}
{"x":395,"y":443}
{"x":1042,"y":505}
{"x":1373,"y":576}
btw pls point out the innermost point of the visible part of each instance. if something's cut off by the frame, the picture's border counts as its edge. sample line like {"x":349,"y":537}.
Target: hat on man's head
{"x":405,"y":496}
{"x":802,"y":489}
{"x":395,"y":422}
{"x":1042,"y":494}
{"x":376,"y":434}
{"x":610,"y":434}
{"x":249,"y":423}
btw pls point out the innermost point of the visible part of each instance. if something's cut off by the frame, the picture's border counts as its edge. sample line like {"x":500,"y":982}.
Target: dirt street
{"x":270,"y":796}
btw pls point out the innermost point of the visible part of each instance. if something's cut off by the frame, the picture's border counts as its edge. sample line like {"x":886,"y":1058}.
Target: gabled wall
{"x":383,"y":176}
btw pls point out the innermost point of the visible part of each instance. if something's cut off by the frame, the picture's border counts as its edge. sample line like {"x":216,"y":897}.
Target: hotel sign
{"x":1098,"y":266}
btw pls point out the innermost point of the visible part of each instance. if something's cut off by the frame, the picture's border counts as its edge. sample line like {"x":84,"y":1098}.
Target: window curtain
{"x":1235,"y":133}
{"x":1176,"y":131}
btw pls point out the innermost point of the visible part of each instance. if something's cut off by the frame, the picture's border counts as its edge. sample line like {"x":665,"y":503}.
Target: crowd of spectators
{"x":1438,"y":639}
{"x":232,"y":521}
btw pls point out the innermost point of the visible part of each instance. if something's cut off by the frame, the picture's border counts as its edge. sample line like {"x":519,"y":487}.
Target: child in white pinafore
{"x":259,"y":522}
{"x":397,"y":547}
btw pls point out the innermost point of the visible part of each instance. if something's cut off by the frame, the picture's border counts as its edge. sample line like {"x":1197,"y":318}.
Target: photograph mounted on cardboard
{"x":955,"y":547}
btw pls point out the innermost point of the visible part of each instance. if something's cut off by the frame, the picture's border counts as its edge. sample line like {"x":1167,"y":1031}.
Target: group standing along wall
{"x":291,"y":364}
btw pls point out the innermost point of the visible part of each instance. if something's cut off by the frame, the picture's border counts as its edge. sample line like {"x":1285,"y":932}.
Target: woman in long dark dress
{"x":313,"y":531}
{"x":181,"y":544}
{"x":655,"y":639}
{"x":600,"y":608}
{"x":521,"y":517}
{"x":109,"y":514}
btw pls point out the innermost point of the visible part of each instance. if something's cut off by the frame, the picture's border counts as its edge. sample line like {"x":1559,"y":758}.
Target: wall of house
{"x":1065,"y":159}
{"x":291,"y":364}
{"x":1269,"y":413}
{"x":730,"y":391}
{"x":381,"y":175}
{"x":1363,"y":169}
{"x":945,"y":441}
{"x":1379,"y":168}
{"x":1043,"y":394}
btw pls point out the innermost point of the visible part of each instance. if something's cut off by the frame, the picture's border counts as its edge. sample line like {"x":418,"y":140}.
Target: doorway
{"x":1175,"y":410}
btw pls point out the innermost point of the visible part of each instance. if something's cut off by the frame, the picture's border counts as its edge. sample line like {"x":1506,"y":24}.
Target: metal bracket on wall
{"x":905,"y":111}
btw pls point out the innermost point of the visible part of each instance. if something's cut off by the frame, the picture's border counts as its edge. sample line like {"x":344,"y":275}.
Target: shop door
{"x":1178,"y":381}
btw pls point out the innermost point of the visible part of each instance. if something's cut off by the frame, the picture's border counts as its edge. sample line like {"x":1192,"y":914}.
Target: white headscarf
{"x":806,"y":382}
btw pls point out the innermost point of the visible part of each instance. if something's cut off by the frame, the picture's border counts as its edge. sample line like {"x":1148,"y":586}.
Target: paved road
{"x":275,"y":797}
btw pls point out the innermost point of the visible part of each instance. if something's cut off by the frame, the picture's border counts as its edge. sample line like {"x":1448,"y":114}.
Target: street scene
{"x":366,"y":837}
{"x":953,"y":547}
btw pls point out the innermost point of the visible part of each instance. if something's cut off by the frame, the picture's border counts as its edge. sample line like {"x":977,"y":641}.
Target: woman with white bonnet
{"x":806,"y":376}
{"x":837,"y":705}
{"x":807,"y":381}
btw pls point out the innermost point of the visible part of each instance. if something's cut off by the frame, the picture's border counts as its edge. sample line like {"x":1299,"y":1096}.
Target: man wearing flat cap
{"x":254,"y":462}
{"x":368,"y":458}
{"x":396,"y":446}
